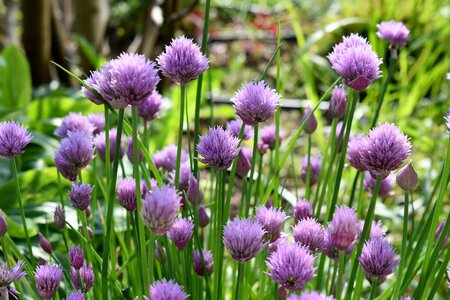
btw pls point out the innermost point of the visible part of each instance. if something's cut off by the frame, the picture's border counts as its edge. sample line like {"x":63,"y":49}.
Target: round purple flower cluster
{"x":355,"y":61}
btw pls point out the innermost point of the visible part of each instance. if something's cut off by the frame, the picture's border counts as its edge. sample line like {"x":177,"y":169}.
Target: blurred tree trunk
{"x":90,"y":20}
{"x":60,"y":46}
{"x":36,"y":38}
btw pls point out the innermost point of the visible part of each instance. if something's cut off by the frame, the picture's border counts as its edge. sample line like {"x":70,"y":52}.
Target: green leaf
{"x":15,"y":78}
{"x":36,"y":186}
{"x":15,"y":229}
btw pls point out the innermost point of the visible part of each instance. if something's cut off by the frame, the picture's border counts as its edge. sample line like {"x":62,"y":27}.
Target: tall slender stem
{"x":110,"y":205}
{"x":142,"y":253}
{"x":373,"y":289}
{"x":383,"y":91}
{"x":199,"y":85}
{"x":180,"y":134}
{"x":240,"y":281}
{"x":340,"y":275}
{"x":308,"y":171}
{"x":252,"y":170}
{"x":398,"y":282}
{"x":22,"y":212}
{"x":340,"y":169}
{"x":364,"y":235}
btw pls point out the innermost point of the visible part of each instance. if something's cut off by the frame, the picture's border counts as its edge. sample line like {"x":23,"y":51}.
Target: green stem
{"x":252,"y":169}
{"x":373,"y":289}
{"x":277,"y":118}
{"x":329,"y":171}
{"x":340,"y":275}
{"x":383,"y":91}
{"x":180,"y":134}
{"x":199,"y":85}
{"x":142,"y":251}
{"x":398,"y":282}
{"x":107,"y":149}
{"x":354,"y":99}
{"x":22,"y":212}
{"x":240,"y":281}
{"x":308,"y":171}
{"x":364,"y":235}
{"x":110,"y":205}
{"x":352,"y":194}
{"x":435,"y":216}
{"x":291,"y":144}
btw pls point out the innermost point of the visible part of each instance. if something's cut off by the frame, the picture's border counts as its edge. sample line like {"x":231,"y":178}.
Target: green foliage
{"x":37,"y":186}
{"x":15,"y":79}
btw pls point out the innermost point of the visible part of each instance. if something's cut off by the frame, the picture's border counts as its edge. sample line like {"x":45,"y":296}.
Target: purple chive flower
{"x":234,"y":127}
{"x":244,"y":162}
{"x":80,"y":195}
{"x":355,"y":146}
{"x":218,"y":148}
{"x":128,"y":79}
{"x":273,"y":247}
{"x":311,"y":124}
{"x":394,"y":32}
{"x":243,"y":239}
{"x":148,"y":110}
{"x":310,"y":234}
{"x":447,"y":118}
{"x":78,"y":295}
{"x":439,"y":231}
{"x":182,"y":61}
{"x":76,"y":257}
{"x":387,"y":184}
{"x":376,"y":230}
{"x":130,"y":153}
{"x":181,"y":232}
{"x":164,"y":290}
{"x":93,"y":82}
{"x":268,"y":136}
{"x":343,"y":229}
{"x":377,"y":260}
{"x":338,"y":103}
{"x":98,"y":121}
{"x":7,"y":277}
{"x":44,"y":243}
{"x":315,"y":165}
{"x":75,"y":122}
{"x":407,"y":178}
{"x":101,"y":147}
{"x":86,"y":275}
{"x":255,"y":102}
{"x":302,"y":209}
{"x":59,"y":217}
{"x":3,"y":225}
{"x":13,"y":139}
{"x":48,"y":279}
{"x":166,"y":158}
{"x":355,"y":61}
{"x":208,"y":261}
{"x":386,"y":148}
{"x":329,"y":249}
{"x":313,"y":295}
{"x":405,"y":298}
{"x":203,"y":218}
{"x":291,"y":266}
{"x":159,"y":209}
{"x":126,"y":193}
{"x":271,"y":220}
{"x":75,"y":153}
{"x":187,"y":184}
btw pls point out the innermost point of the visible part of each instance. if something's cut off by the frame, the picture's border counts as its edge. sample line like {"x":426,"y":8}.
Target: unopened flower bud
{"x":45,"y":245}
{"x":407,"y":178}
{"x":3,"y":225}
